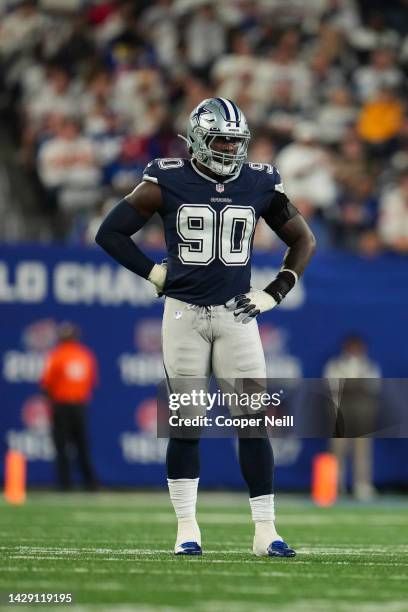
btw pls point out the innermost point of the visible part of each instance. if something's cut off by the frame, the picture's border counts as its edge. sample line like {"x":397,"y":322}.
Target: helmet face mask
{"x":225,"y":163}
{"x":213,"y":121}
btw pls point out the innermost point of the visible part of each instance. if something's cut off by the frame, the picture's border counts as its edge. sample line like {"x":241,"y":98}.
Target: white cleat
{"x":276,"y":548}
{"x":188,"y":541}
{"x":260,"y":545}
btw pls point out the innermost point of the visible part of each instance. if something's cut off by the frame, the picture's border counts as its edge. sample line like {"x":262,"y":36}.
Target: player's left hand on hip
{"x":247,"y":306}
{"x":157,"y":277}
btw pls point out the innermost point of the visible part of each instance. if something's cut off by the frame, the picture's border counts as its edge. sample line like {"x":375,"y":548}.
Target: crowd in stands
{"x":96,"y":89}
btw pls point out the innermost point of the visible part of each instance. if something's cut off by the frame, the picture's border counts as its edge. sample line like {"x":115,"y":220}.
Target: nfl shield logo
{"x":219,"y":187}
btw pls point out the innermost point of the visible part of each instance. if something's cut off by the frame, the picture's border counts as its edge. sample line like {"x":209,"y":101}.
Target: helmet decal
{"x":201,"y":110}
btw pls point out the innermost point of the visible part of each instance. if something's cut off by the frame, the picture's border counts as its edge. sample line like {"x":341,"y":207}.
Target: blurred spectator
{"x":356,"y":398}
{"x":306,"y":168}
{"x":380,"y":122}
{"x":111,"y":20}
{"x":326,"y":77}
{"x":21,"y":29}
{"x":50,"y":93}
{"x":126,"y":170}
{"x":205,"y":38}
{"x":357,"y":214}
{"x":284,"y":65}
{"x":284,"y":113}
{"x":193,"y":91}
{"x":393,"y":225}
{"x":382,"y":71}
{"x":69,"y":171}
{"x":261,"y":150}
{"x":67,"y":41}
{"x":57,"y":95}
{"x":331,"y":44}
{"x":234,"y":70}
{"x":97,"y":94}
{"x":351,"y":164}
{"x":355,"y":219}
{"x":161,"y":25}
{"x":139,"y":98}
{"x":342,"y":15}
{"x":69,"y":378}
{"x":399,"y":160}
{"x":373,"y":34}
{"x":336,"y":116}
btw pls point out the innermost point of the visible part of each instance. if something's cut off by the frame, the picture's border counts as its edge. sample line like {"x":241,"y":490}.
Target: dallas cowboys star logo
{"x":202,"y":110}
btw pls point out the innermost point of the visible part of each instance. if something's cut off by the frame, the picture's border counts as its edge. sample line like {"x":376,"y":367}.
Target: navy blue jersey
{"x":209,"y":226}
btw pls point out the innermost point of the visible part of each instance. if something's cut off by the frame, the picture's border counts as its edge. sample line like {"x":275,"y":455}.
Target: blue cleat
{"x":280,"y":549}
{"x":188,"y":548}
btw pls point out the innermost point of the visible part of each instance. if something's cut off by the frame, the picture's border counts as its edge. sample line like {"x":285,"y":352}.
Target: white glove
{"x":157,"y":277}
{"x":247,"y":306}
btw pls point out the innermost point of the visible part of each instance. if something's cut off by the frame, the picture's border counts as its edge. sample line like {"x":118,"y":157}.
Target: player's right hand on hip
{"x":246,"y":306}
{"x":157,"y":277}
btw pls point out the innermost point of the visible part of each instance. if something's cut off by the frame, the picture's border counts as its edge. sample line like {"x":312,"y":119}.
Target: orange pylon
{"x":15,"y":477}
{"x":325,"y":476}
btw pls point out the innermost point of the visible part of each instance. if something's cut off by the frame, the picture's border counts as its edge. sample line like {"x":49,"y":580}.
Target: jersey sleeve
{"x":276,"y":179}
{"x":152,"y":172}
{"x":279,"y":209}
{"x":162,"y":171}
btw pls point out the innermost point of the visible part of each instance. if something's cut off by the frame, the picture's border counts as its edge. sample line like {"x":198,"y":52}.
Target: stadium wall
{"x":120,"y":318}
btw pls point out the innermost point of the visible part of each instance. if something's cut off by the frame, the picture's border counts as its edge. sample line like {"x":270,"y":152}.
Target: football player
{"x":210,"y":205}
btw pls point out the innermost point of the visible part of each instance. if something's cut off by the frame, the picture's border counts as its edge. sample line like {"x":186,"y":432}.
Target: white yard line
{"x":315,"y":550}
{"x":226,"y":518}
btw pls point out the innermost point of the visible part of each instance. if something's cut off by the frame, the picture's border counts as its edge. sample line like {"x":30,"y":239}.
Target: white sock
{"x":263,"y":515}
{"x":262,"y":508}
{"x":183,"y":495}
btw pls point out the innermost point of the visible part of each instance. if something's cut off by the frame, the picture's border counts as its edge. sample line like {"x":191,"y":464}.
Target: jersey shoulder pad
{"x":267,"y":175}
{"x":161,"y":171}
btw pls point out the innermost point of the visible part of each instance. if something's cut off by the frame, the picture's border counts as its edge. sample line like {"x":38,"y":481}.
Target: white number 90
{"x":196,"y":225}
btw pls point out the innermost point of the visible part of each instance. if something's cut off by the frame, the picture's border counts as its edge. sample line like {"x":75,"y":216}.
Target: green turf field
{"x":116,"y":549}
